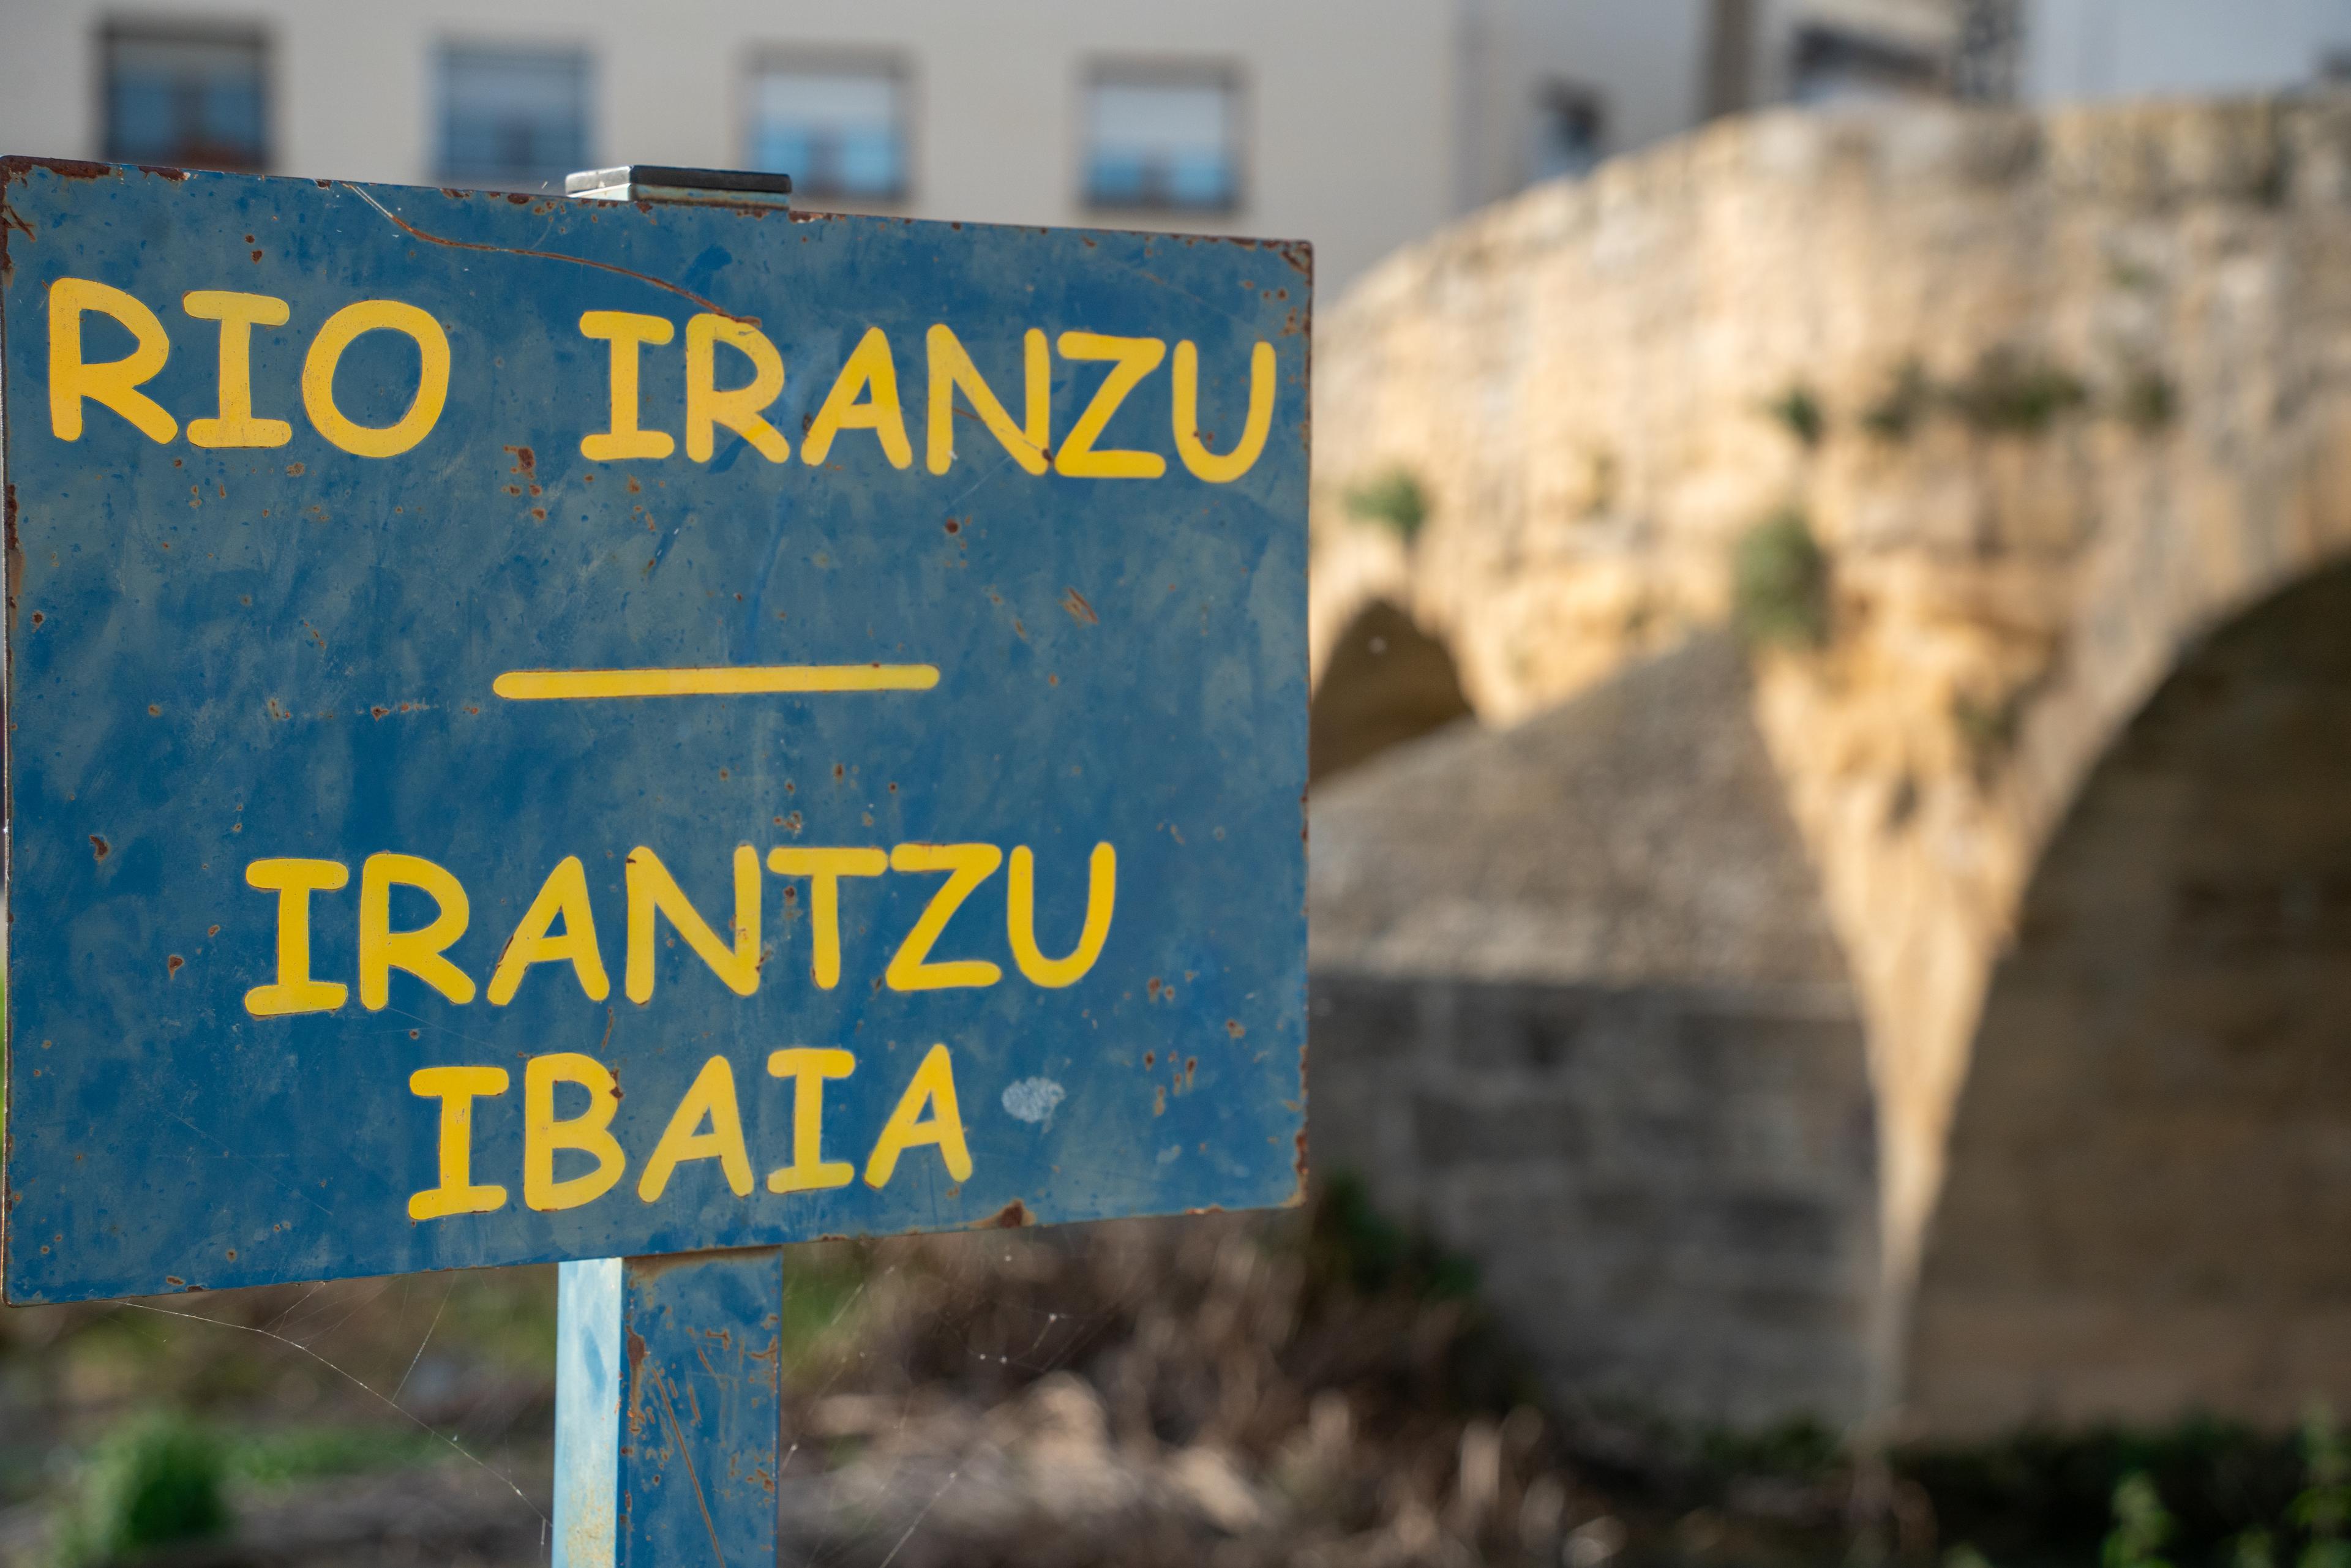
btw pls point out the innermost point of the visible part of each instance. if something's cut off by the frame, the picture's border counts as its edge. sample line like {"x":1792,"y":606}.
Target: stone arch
{"x":2148,"y":1174}
{"x":1385,"y":682}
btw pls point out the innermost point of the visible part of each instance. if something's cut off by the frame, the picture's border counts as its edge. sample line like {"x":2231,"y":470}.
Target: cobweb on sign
{"x":1288,"y":1388}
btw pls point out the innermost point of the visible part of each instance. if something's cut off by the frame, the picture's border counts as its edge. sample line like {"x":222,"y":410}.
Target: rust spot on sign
{"x":1080,"y":611}
{"x":1013,"y":1216}
{"x":173,"y":964}
{"x":99,"y":847}
{"x":16,"y":561}
{"x":63,"y":168}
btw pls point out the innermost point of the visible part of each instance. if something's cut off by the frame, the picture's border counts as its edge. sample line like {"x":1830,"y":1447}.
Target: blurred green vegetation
{"x":156,"y":1480}
{"x":1798,"y":409}
{"x":132,"y":1427}
{"x":1780,"y":583}
{"x":1392,"y":499}
{"x":2204,"y":1494}
{"x":1349,"y":1245}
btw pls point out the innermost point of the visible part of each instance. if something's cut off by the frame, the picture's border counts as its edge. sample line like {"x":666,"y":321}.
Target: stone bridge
{"x":1930,"y":1011}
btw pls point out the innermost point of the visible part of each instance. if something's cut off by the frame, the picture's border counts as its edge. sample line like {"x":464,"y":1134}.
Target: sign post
{"x":631,"y":733}
{"x":666,"y":1422}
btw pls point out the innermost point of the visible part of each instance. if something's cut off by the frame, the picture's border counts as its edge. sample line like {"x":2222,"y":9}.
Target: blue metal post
{"x":666,"y":1417}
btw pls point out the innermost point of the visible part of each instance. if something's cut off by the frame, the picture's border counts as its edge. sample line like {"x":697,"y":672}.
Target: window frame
{"x":447,"y":49}
{"x":1227,"y":75}
{"x":116,"y":30}
{"x":1554,"y":98}
{"x":895,"y":64}
{"x":1892,"y":70}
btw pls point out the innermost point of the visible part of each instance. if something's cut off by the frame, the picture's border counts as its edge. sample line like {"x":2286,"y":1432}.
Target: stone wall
{"x":1579,"y":1013}
{"x":2056,"y":394}
{"x":1631,"y":1168}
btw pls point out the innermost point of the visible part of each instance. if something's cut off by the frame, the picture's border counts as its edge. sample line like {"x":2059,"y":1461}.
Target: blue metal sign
{"x":546,"y":729}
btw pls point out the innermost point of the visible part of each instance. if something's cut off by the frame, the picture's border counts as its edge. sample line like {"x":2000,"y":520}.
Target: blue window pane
{"x":1117,"y":180}
{"x":1199,"y":180}
{"x":869,"y":162}
{"x":145,"y":129}
{"x":781,"y":149}
{"x":230,"y":112}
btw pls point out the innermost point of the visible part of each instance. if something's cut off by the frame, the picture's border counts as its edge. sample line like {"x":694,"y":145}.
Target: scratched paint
{"x":332,"y":625}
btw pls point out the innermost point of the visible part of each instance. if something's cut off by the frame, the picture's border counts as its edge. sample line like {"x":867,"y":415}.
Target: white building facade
{"x":1358,"y":124}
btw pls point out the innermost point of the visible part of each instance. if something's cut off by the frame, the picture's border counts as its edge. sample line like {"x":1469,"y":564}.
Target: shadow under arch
{"x":2148,"y":1197}
{"x":1386,"y":682}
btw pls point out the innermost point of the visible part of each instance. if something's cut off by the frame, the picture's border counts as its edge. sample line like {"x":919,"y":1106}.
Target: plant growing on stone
{"x":1392,"y":499}
{"x":1601,"y":494}
{"x":1988,"y":728}
{"x":1906,"y":400}
{"x":1799,"y":409}
{"x":2148,"y":402}
{"x":1780,"y":583}
{"x":2013,"y":394}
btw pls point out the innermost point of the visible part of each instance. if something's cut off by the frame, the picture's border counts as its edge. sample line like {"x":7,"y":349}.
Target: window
{"x":512,"y":116}
{"x":839,"y":131}
{"x":197,"y":99}
{"x":1570,"y":133}
{"x":1832,"y":65}
{"x":1168,"y":140}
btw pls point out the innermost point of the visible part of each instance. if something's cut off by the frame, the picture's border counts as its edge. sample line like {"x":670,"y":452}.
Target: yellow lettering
{"x":383,"y":949}
{"x":967,"y":866}
{"x":115,"y":383}
{"x":294,"y":991}
{"x":628,"y":332}
{"x":808,"y":1067}
{"x":710,"y":1098}
{"x":737,"y":408}
{"x":237,"y":314}
{"x":1197,"y":456}
{"x":933,"y":1085}
{"x":457,"y":1088}
{"x":652,"y":888}
{"x":565,"y":892}
{"x":1131,"y":359}
{"x":588,"y":1131}
{"x":824,"y":868}
{"x":870,"y":368}
{"x":951,"y":367}
{"x":1020,"y":918}
{"x":342,"y":329}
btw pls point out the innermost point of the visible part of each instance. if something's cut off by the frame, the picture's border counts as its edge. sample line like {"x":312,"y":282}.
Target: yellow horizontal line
{"x":723,"y":680}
